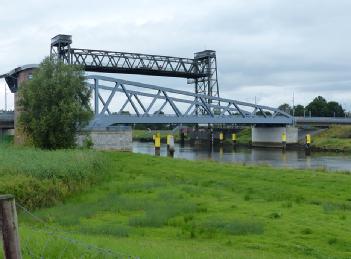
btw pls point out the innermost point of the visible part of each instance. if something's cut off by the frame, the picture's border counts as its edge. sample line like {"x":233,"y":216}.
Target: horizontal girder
{"x":107,"y":120}
{"x":134,"y":63}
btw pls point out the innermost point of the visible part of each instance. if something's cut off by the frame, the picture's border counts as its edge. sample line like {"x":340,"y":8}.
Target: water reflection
{"x":274,"y":157}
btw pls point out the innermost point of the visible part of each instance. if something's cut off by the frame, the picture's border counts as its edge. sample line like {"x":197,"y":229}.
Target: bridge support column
{"x":269,"y":136}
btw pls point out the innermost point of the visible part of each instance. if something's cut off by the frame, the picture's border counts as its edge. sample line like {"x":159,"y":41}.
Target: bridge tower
{"x":61,"y":48}
{"x":207,"y":62}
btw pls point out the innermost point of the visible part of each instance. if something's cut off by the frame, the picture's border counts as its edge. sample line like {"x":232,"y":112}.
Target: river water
{"x":273,"y":157}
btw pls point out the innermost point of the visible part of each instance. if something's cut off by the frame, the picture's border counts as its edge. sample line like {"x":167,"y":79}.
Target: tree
{"x":55,"y":105}
{"x":285,"y":108}
{"x":318,"y":107}
{"x":299,"y":110}
{"x":336,"y":109}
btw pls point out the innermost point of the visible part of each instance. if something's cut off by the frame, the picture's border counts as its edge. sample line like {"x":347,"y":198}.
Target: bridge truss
{"x":200,"y":71}
{"x":118,"y":101}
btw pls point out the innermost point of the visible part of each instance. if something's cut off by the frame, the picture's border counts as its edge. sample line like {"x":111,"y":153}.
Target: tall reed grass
{"x":41,"y":178}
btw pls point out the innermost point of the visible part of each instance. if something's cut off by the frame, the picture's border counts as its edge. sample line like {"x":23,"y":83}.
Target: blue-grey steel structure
{"x":7,"y":121}
{"x":155,"y":104}
{"x":200,"y":70}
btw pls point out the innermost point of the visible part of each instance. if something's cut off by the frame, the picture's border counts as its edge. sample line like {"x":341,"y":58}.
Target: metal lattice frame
{"x":201,"y":70}
{"x":208,"y":85}
{"x":182,"y":106}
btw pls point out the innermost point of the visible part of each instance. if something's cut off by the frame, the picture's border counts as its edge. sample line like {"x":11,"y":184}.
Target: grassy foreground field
{"x":163,"y":208}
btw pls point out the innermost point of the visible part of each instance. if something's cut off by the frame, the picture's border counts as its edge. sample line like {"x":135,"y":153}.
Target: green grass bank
{"x":156,"y":207}
{"x":336,"y":138}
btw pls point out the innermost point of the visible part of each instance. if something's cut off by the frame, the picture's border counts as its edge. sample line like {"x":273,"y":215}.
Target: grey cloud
{"x":267,"y":48}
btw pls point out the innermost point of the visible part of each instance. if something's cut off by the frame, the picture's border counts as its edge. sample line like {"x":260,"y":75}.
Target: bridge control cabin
{"x":14,"y":79}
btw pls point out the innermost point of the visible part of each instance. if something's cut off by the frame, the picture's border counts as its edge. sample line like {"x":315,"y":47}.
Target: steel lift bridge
{"x":121,"y":101}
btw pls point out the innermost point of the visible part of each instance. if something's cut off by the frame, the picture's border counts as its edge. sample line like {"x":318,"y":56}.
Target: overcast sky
{"x":265,"y":48}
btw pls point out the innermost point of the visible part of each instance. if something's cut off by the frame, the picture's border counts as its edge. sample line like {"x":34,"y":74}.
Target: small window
{"x":30,"y":76}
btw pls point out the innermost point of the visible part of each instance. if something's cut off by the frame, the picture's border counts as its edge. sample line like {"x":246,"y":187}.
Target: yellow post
{"x":284,"y":137}
{"x":308,"y":139}
{"x":284,"y":140}
{"x":157,"y":142}
{"x":308,"y":144}
{"x":234,"y":138}
{"x":221,"y":137}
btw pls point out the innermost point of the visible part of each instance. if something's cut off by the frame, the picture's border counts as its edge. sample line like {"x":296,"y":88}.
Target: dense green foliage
{"x":334,"y":138}
{"x":163,"y":208}
{"x":55,"y":105}
{"x":299,"y":110}
{"x":285,"y":108}
{"x":41,"y":178}
{"x":244,"y":136}
{"x":319,"y":107}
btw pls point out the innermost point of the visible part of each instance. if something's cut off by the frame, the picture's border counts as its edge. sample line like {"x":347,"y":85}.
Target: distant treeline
{"x":319,"y":107}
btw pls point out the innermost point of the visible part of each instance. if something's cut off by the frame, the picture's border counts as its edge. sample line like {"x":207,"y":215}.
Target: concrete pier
{"x":274,"y":136}
{"x":112,"y":138}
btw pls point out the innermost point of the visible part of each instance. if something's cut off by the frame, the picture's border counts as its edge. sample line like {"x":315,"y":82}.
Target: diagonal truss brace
{"x":215,"y":108}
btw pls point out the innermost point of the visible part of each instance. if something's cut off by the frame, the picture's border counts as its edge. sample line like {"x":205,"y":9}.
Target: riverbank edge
{"x":298,"y":146}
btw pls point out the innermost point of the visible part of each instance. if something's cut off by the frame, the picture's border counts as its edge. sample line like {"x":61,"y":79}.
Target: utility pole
{"x":293,"y":101}
{"x":5,"y":98}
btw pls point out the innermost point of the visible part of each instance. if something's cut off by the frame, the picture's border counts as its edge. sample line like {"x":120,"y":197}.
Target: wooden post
{"x":9,"y":227}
